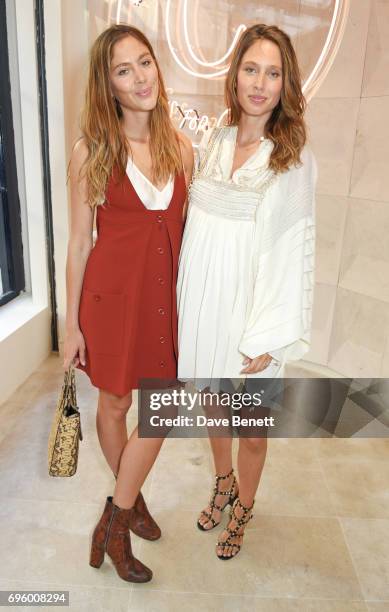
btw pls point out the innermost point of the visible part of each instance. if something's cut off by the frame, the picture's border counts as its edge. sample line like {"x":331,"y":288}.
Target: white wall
{"x":350,"y":137}
{"x":71,"y":29}
{"x":58,"y":155}
{"x":25,"y":335}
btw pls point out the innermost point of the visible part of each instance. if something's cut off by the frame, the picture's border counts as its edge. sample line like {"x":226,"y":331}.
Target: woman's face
{"x":134,"y":75}
{"x":259,"y":78}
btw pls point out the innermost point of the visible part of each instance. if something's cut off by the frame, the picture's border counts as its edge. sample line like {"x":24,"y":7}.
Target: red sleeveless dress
{"x":128,"y":311}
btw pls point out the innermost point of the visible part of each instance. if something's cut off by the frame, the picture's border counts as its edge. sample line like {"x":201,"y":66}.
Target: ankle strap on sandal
{"x":228,"y":492}
{"x":239,"y":523}
{"x":245,"y":510}
{"x":247,"y":514}
{"x":224,"y":477}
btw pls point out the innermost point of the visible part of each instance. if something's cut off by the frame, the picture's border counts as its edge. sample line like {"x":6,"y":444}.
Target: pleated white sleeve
{"x":280,"y":313}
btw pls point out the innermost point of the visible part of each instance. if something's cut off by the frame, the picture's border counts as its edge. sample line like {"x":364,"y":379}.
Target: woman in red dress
{"x":121,"y":320}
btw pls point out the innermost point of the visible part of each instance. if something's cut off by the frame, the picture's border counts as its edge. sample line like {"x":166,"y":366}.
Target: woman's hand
{"x":257,"y":364}
{"x":74,"y":349}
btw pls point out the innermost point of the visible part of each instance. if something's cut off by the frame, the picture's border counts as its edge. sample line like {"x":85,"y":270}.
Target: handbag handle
{"x":70,"y":386}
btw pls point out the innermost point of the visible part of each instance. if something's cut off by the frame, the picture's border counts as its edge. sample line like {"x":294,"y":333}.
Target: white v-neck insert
{"x":151,"y":197}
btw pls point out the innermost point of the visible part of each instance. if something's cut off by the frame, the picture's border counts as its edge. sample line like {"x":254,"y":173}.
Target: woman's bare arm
{"x":79,"y":246}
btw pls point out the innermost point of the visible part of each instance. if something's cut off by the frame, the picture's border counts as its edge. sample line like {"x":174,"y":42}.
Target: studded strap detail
{"x":213,"y":506}
{"x":243,"y":520}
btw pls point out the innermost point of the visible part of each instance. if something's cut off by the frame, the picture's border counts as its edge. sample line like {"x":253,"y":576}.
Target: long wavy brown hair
{"x":286,"y":126}
{"x":101,"y":124}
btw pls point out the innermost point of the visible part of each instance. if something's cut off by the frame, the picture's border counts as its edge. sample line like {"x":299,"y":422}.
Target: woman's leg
{"x":111,"y":426}
{"x":113,"y":437}
{"x":251,"y":459}
{"x":136,"y":461}
{"x":222,"y":459}
{"x":222,"y":454}
{"x":127,"y":510}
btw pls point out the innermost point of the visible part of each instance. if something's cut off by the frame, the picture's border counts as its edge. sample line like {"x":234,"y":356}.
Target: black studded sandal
{"x":243,"y":520}
{"x":231,"y":494}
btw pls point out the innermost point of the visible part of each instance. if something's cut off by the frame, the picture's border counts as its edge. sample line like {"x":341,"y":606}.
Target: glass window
{"x":11,"y":248}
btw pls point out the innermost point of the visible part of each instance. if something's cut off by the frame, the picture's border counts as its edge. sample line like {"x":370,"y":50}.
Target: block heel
{"x":96,"y":556}
{"x":112,"y":536}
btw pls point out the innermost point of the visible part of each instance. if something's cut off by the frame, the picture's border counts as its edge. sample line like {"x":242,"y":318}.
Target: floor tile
{"x":42,"y":540}
{"x":81,"y":598}
{"x":160,"y":601}
{"x":368,"y":542}
{"x":359,"y":489}
{"x":282,"y":557}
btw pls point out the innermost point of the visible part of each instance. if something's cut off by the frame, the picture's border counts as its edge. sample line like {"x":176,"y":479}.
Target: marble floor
{"x":319,"y":540}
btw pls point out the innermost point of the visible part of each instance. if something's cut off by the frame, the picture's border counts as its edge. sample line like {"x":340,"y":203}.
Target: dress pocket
{"x":102,"y":321}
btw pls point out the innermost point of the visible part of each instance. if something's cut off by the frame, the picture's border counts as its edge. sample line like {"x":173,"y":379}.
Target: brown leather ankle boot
{"x":141,"y":521}
{"x":112,"y":536}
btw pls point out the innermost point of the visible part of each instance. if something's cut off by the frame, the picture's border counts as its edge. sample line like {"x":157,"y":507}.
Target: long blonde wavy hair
{"x":286,"y":125}
{"x":101,"y":121}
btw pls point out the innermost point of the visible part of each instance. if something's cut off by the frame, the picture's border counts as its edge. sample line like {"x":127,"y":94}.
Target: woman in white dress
{"x":245,"y":280}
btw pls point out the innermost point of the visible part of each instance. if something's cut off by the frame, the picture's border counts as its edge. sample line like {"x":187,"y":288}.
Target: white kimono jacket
{"x":280,"y":316}
{"x":246,"y":274}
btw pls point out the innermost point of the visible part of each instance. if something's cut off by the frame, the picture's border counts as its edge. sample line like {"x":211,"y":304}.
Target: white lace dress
{"x":245,"y":278}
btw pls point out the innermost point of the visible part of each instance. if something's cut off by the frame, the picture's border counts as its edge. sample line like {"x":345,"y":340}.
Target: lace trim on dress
{"x":208,"y":173}
{"x":242,"y":207}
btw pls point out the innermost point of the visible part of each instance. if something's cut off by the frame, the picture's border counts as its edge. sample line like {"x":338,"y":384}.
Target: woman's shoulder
{"x":183,"y":139}
{"x":205,"y":137}
{"x":80,"y":151}
{"x":185,"y":144}
{"x":186,"y":148}
{"x":212,"y":136}
{"x":78,"y":157}
{"x":306,"y":169}
{"x":213,"y":132}
{"x":307,"y":156}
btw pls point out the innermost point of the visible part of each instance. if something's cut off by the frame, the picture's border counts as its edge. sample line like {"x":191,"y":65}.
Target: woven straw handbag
{"x":65,"y":431}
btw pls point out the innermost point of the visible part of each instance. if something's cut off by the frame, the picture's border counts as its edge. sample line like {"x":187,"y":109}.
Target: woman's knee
{"x":114,"y":405}
{"x":254,"y":445}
